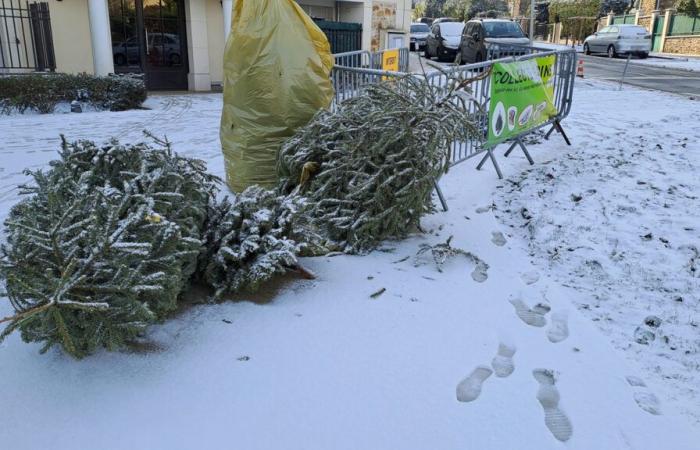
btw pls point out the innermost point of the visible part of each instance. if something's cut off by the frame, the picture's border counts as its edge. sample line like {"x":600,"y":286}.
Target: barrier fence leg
{"x":527,"y":154}
{"x":519,"y":142}
{"x":510,"y":149}
{"x":561,"y":131}
{"x":557,"y":126}
{"x":443,"y":202}
{"x":489,"y":154}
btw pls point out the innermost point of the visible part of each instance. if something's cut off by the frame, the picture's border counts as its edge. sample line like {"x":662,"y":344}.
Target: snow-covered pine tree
{"x":103,"y":244}
{"x":256,"y":236}
{"x":368,"y":169}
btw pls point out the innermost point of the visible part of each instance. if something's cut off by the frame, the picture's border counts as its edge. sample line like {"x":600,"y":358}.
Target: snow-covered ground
{"x":616,"y":218}
{"x":322,"y":364}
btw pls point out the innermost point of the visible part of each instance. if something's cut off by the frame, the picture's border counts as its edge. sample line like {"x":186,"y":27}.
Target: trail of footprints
{"x":502,"y":366}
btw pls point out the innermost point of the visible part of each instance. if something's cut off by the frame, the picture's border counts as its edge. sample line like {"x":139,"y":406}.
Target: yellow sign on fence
{"x":390,"y":60}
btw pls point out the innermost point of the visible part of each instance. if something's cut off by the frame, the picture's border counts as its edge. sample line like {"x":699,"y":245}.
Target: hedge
{"x":42,"y":92}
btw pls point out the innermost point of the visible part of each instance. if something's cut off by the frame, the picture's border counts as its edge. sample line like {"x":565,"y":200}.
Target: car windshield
{"x":451,"y":28}
{"x":420,"y":28}
{"x":503,"y":30}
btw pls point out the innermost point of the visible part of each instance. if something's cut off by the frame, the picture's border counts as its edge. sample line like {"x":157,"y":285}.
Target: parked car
{"x":480,"y":33}
{"x":443,"y":40}
{"x":445,"y":19}
{"x":164,"y":48}
{"x":419,"y":34}
{"x":619,"y":39}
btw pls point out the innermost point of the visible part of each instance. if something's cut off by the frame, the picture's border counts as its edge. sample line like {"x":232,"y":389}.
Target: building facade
{"x":176,"y":44}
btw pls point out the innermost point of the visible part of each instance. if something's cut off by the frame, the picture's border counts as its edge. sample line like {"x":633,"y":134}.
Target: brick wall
{"x":685,"y":45}
{"x":383,"y":18}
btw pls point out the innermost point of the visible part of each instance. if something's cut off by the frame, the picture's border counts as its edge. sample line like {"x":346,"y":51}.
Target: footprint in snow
{"x":502,"y":363}
{"x":530,"y":277}
{"x":548,"y":395}
{"x":498,"y":239}
{"x":480,"y":272}
{"x":532,"y":316}
{"x":645,"y":400}
{"x":469,"y":388}
{"x":559,"y":329}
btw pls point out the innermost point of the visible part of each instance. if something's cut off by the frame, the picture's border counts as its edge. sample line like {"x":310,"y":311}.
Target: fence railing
{"x":624,"y":19}
{"x":370,"y":60}
{"x":683,"y":25}
{"x":26,"y":41}
{"x":353,"y":73}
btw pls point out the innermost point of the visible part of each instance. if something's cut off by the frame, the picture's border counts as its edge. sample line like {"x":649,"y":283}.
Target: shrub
{"x":42,"y":92}
{"x":104,"y":244}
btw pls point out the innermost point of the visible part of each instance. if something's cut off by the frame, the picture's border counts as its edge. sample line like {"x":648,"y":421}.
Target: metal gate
{"x":656,"y":34}
{"x":343,"y":37}
{"x":26,"y":42}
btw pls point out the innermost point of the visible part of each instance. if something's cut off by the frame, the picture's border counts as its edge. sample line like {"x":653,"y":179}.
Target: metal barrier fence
{"x":354,"y":71}
{"x":370,"y":60}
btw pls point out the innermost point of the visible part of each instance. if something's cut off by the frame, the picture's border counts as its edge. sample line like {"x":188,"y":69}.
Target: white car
{"x":618,"y":40}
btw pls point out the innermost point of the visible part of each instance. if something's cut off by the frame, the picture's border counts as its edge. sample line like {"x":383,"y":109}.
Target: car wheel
{"x":611,"y":52}
{"x":586,"y":49}
{"x":643,"y":55}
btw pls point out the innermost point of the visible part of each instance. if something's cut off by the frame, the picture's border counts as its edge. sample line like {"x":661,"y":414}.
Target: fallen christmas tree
{"x":109,"y":237}
{"x":256,"y":236}
{"x":368,"y":169}
{"x":104,"y":244}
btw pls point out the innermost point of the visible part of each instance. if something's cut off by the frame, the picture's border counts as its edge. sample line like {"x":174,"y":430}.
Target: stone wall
{"x":383,"y":18}
{"x":685,"y":45}
{"x":645,"y":21}
{"x":646,"y":7}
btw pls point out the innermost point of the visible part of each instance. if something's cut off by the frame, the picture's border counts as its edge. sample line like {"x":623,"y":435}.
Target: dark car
{"x":419,"y":35}
{"x":443,"y":40}
{"x":480,"y":33}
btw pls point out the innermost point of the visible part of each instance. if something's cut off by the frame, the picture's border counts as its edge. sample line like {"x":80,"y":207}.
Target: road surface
{"x":677,"y":81}
{"x":681,"y":82}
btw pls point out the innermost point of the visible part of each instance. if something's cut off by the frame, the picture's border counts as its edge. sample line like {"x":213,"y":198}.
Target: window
{"x":451,"y":28}
{"x":420,"y":28}
{"x":503,"y":29}
{"x":604,"y":30}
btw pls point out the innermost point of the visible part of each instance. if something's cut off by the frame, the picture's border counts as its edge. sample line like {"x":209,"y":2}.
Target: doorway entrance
{"x":149,"y":37}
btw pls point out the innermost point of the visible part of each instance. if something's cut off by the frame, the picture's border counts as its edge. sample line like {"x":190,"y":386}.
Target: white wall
{"x":70,"y":26}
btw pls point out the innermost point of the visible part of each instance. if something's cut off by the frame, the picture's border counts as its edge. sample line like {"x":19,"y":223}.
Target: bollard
{"x":624,"y":72}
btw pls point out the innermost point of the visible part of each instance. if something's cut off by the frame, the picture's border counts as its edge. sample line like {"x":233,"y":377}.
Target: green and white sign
{"x":522,"y":97}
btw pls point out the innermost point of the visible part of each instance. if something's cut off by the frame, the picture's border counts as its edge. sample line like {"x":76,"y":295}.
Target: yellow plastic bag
{"x":277,"y":66}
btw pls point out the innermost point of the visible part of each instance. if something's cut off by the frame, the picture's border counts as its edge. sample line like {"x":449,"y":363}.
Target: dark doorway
{"x":149,"y":37}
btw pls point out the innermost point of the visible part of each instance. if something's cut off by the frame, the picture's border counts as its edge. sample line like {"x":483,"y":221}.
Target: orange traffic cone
{"x":579,"y":69}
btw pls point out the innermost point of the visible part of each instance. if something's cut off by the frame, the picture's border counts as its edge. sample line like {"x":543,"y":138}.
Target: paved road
{"x":677,"y":81}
